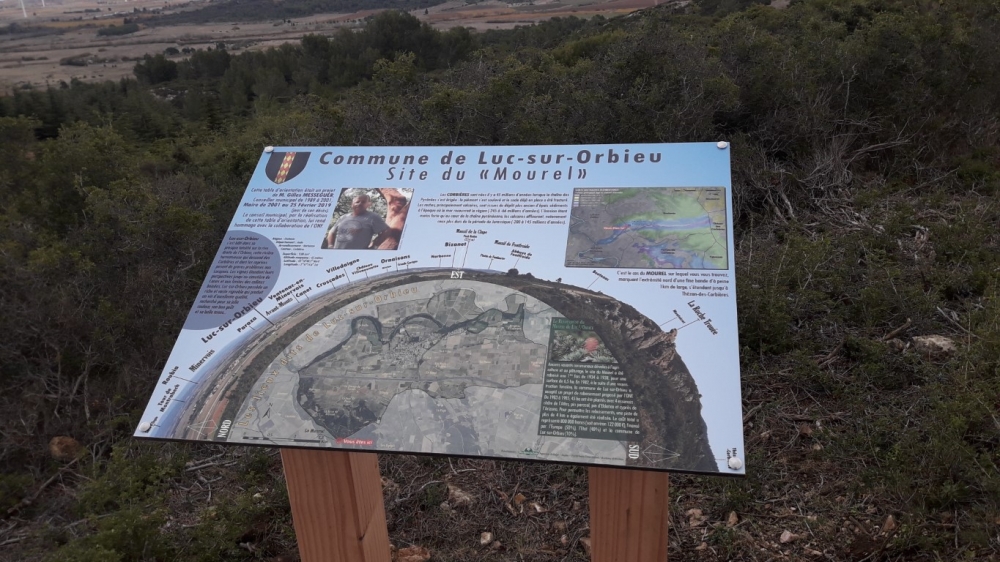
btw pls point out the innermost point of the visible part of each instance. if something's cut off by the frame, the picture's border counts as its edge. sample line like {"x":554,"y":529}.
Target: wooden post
{"x":629,"y":510}
{"x":337,"y":507}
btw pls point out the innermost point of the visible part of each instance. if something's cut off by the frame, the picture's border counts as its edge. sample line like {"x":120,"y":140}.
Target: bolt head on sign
{"x":145,"y":427}
{"x":735,"y":463}
{"x":722,"y":144}
{"x":268,"y":149}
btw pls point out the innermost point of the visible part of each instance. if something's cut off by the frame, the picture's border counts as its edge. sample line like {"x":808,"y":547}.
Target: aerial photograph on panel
{"x":420,"y":362}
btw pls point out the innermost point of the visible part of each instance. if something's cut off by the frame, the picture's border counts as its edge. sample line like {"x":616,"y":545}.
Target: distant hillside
{"x":262,"y":10}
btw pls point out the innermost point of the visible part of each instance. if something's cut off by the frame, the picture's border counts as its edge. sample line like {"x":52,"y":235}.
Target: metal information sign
{"x":554,"y":303}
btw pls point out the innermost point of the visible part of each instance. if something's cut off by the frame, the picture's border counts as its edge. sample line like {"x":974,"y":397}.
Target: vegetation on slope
{"x":866,"y":174}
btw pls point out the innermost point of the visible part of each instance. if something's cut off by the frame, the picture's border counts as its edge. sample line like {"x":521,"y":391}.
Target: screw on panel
{"x":735,"y":463}
{"x":268,"y":149}
{"x":722,"y":144}
{"x":145,"y":427}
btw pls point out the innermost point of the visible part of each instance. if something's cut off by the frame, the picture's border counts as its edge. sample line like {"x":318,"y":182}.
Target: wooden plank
{"x":629,"y":510}
{"x":337,"y":507}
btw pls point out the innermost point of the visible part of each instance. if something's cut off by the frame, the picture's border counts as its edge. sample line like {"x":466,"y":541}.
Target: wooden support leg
{"x":628,"y":515}
{"x":337,"y":508}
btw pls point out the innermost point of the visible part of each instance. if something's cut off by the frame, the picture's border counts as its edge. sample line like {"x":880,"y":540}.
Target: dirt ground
{"x":34,"y":60}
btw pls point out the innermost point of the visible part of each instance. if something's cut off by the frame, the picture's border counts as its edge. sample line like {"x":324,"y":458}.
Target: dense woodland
{"x":263,"y":10}
{"x":867,"y":184}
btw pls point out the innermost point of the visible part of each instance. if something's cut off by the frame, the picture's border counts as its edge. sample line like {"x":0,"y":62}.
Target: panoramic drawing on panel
{"x":420,"y":362}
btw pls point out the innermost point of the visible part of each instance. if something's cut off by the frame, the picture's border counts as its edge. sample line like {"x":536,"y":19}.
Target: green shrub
{"x":115,"y":30}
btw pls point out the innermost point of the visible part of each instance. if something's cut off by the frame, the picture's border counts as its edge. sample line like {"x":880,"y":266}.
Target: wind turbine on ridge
{"x":25,"y":12}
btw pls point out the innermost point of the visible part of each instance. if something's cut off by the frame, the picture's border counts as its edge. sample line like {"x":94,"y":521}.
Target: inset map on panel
{"x":651,"y":227}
